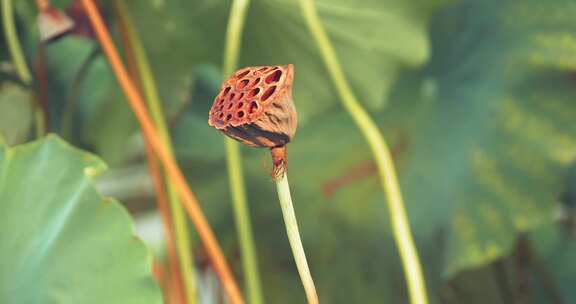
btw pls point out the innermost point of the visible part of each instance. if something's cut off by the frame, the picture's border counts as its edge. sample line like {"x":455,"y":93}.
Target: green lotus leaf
{"x":62,"y":242}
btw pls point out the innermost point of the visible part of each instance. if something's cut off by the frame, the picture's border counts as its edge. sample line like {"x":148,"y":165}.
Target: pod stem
{"x":279,"y":162}
{"x":283,"y":187}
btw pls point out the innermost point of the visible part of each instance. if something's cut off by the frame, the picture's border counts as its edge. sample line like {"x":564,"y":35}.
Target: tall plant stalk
{"x":400,"y":224}
{"x":172,"y":287}
{"x":234,"y":164}
{"x":19,"y":60}
{"x":188,"y":199}
{"x":283,"y":188}
{"x":181,"y":235}
{"x":13,"y":43}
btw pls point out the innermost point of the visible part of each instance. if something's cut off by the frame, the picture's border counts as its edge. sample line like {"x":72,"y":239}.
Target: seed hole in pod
{"x":229,"y":106}
{"x":243,"y":83}
{"x":253,"y":107}
{"x":242,"y":74}
{"x":221,"y":115}
{"x":231,"y":96}
{"x":220,"y":108}
{"x":273,"y":77}
{"x":240,"y":114}
{"x":220,"y":101}
{"x":241,"y":95}
{"x":240,"y":104}
{"x":228,"y":117}
{"x":268,"y":93}
{"x":255,"y":82}
{"x":253,"y":92}
{"x":262,"y":69}
{"x":226,"y":90}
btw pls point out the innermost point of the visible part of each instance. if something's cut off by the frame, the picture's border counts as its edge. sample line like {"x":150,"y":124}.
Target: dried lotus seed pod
{"x":255,"y":106}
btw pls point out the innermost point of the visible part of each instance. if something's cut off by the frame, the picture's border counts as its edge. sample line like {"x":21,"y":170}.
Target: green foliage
{"x":193,"y":31}
{"x":483,"y":135}
{"x":555,"y":250}
{"x":493,"y":132}
{"x":62,"y":242}
{"x":15,"y":113}
{"x":107,"y":122}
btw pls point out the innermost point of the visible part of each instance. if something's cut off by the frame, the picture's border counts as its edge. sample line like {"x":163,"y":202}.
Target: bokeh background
{"x":476,"y":98}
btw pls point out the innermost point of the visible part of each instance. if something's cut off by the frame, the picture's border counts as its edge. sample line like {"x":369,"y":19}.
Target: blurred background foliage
{"x":476,"y":97}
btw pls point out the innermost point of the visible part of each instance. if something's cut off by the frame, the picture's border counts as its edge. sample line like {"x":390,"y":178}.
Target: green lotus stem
{"x":40,"y":121}
{"x":182,"y":237}
{"x":19,"y":60}
{"x":285,"y":198}
{"x":234,"y":35}
{"x":243,"y":222}
{"x":14,"y":44}
{"x":400,"y":225}
{"x":234,"y":164}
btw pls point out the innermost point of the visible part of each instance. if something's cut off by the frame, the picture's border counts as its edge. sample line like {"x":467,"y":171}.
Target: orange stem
{"x":42,"y":78}
{"x":174,"y":279}
{"x":42,"y":4}
{"x":129,"y":53}
{"x":189,"y":201}
{"x":160,"y":276}
{"x":157,"y":270}
{"x":162,"y":206}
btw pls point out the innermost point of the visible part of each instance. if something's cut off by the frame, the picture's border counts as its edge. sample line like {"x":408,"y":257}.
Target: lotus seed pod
{"x":255,"y":106}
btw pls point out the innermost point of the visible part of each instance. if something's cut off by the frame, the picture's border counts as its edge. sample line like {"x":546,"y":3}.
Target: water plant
{"x":434,"y":140}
